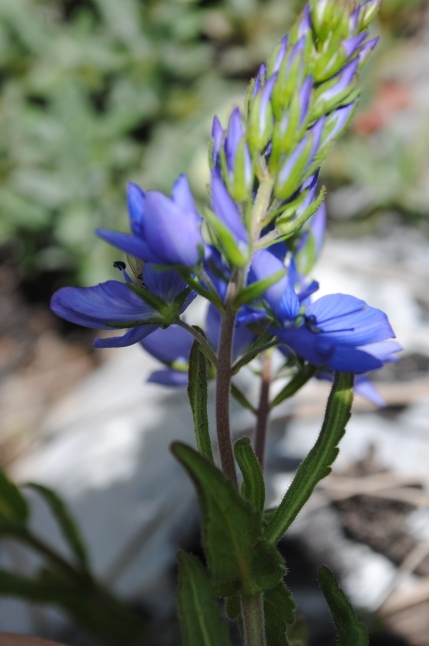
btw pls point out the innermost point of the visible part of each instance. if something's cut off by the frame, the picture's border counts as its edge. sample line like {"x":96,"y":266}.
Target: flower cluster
{"x":264,"y":227}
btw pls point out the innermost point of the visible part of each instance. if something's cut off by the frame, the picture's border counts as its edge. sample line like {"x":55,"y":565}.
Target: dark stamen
{"x":119,"y":264}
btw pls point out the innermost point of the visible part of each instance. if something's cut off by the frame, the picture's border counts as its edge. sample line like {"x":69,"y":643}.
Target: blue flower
{"x":114,"y":304}
{"x":338,"y":331}
{"x":164,"y":230}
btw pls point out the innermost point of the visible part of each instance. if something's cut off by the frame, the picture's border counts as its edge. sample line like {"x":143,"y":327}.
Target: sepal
{"x":236,"y":252}
{"x":257,"y":289}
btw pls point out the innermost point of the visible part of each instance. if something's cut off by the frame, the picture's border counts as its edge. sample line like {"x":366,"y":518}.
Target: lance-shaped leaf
{"x":350,"y":631}
{"x":199,"y":612}
{"x":239,"y":559}
{"x":279,"y":610}
{"x":253,"y":487}
{"x":65,"y":522}
{"x":197,"y":393}
{"x":13,"y":506}
{"x":317,"y":464}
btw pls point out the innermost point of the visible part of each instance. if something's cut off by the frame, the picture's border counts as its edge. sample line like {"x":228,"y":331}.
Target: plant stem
{"x":263,"y":412}
{"x":252,"y":612}
{"x":223,"y":387}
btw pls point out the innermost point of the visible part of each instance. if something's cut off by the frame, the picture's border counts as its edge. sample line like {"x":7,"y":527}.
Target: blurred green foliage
{"x":94,"y":93}
{"x":98,"y":92}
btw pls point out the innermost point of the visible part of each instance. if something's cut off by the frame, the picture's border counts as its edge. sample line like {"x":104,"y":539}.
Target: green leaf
{"x":295,"y":384}
{"x":238,"y":558}
{"x":279,"y":610}
{"x":199,"y":612}
{"x":253,"y":487}
{"x":197,"y":393}
{"x":350,"y":631}
{"x":91,"y":606}
{"x":66,"y":523}
{"x":317,"y":464}
{"x":257,"y":289}
{"x":241,"y":398}
{"x":13,"y":506}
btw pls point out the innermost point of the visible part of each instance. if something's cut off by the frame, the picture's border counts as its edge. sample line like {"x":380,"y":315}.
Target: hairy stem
{"x":263,"y":412}
{"x":252,"y":612}
{"x":223,"y":386}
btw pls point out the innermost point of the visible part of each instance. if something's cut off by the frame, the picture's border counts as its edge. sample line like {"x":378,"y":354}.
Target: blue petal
{"x":136,"y":199}
{"x":233,"y":137}
{"x":385,"y":351}
{"x":172,"y":233}
{"x":350,"y":319}
{"x":134,"y":335}
{"x":183,"y":197}
{"x":169,"y":377}
{"x":217,"y":136}
{"x":320,"y":350}
{"x":172,"y":344}
{"x":364,"y":387}
{"x":165,"y":283}
{"x":288,"y":307}
{"x":126,"y":242}
{"x":95,"y":307}
{"x":265,"y":264}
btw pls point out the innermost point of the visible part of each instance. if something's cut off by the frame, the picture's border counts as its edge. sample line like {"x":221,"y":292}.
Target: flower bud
{"x":261,"y":118}
{"x":366,"y":50}
{"x":290,"y":76}
{"x":336,"y":91}
{"x":297,"y":164}
{"x":277,"y":56}
{"x":292,"y":125}
{"x":216,"y":143}
{"x":367,"y":13}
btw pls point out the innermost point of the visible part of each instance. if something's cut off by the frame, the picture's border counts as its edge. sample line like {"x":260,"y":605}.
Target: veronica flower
{"x":164,"y":230}
{"x":113,"y":305}
{"x":338,"y":331}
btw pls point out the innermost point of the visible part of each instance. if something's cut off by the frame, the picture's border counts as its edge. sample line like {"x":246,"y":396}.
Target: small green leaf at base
{"x":199,"y":612}
{"x":350,"y":631}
